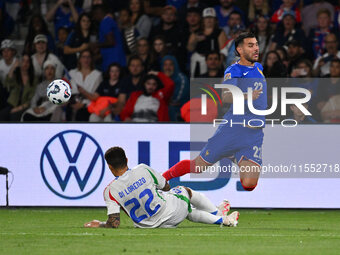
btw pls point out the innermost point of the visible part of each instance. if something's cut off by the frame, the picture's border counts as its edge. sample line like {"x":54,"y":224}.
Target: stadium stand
{"x":297,"y":39}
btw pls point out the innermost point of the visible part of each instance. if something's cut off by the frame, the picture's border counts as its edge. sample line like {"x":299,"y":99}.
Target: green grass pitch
{"x":59,"y":231}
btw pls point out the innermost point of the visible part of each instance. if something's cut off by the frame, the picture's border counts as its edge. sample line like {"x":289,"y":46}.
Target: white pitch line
{"x":164,"y":234}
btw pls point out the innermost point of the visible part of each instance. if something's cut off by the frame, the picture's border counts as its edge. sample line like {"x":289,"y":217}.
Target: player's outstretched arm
{"x":112,"y":222}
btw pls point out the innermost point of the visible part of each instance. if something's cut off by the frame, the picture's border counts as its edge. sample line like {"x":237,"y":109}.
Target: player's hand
{"x":321,"y":63}
{"x":295,"y":73}
{"x":153,"y":72}
{"x":77,"y":106}
{"x":92,"y":224}
{"x":39,"y":110}
{"x":17,"y":109}
{"x":84,"y":46}
{"x":256,"y":94}
{"x":60,"y":2}
{"x":103,"y":111}
{"x":81,"y":90}
{"x":16,"y":64}
{"x":200,"y":38}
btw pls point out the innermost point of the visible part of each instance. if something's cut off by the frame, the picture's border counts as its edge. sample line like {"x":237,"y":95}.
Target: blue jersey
{"x":252,"y":77}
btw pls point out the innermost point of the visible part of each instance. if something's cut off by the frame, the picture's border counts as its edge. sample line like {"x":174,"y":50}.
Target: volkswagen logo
{"x":72,"y":164}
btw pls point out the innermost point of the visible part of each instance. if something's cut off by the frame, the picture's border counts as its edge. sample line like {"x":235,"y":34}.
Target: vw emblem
{"x":72,"y":164}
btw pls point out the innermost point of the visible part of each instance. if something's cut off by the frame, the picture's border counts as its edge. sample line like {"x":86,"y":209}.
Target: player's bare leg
{"x":249,"y":174}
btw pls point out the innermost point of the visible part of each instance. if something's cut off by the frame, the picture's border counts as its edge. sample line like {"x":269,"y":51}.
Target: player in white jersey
{"x":142,"y":193}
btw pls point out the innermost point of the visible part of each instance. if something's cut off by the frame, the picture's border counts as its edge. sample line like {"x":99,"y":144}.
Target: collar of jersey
{"x":123,"y":174}
{"x":245,"y":66}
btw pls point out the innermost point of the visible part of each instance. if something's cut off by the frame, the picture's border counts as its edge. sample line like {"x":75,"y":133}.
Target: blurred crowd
{"x":133,"y":60}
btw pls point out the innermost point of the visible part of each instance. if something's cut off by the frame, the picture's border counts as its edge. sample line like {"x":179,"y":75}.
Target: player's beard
{"x":250,"y":58}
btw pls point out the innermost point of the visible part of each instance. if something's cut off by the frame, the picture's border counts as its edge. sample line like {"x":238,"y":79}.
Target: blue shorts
{"x":237,"y":141}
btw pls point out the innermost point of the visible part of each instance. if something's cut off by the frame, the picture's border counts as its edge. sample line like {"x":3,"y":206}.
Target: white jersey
{"x":136,"y":191}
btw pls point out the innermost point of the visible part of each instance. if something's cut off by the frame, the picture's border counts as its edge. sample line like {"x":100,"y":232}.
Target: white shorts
{"x":178,"y":206}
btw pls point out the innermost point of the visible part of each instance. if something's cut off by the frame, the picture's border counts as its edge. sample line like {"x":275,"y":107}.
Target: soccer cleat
{"x":223,"y":208}
{"x":231,"y":220}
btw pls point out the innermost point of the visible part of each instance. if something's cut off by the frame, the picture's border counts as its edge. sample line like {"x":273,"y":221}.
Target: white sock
{"x":201,"y":202}
{"x":204,"y":217}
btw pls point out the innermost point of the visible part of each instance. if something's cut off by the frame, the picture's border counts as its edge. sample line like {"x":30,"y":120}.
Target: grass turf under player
{"x":142,"y":193}
{"x":242,"y":143}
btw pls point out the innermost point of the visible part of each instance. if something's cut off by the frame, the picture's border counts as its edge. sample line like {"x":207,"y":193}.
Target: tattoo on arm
{"x":113,"y":221}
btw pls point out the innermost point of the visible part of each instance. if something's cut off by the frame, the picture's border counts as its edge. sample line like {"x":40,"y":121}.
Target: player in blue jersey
{"x":241,"y":141}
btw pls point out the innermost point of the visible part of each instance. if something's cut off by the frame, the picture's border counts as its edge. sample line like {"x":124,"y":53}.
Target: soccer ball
{"x":58,"y":92}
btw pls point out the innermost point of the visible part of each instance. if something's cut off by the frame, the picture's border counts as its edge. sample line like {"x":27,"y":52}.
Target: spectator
{"x":212,"y":38}
{"x":41,"y":109}
{"x":6,"y":22}
{"x":317,"y":35}
{"x":8,"y":52}
{"x":309,"y":14}
{"x":77,"y":41}
{"x":141,"y":21}
{"x":38,"y":26}
{"x":273,"y":66}
{"x":328,"y":95}
{"x":322,"y":64}
{"x":256,"y":9}
{"x":42,"y":55}
{"x":154,"y":7}
{"x":193,"y":25}
{"x":63,"y":14}
{"x":182,"y":87}
{"x":229,"y":49}
{"x":21,"y":84}
{"x":289,"y":31}
{"x":223,"y":11}
{"x":283,"y":55}
{"x":215,"y":69}
{"x":129,"y":32}
{"x":110,"y":39}
{"x":130,"y":83}
{"x":109,"y":87}
{"x":168,"y":29}
{"x":295,"y":53}
{"x":234,"y":24}
{"x":262,"y":31}
{"x":143,"y":51}
{"x":304,"y":69}
{"x":191,"y":4}
{"x":111,"y":5}
{"x":158,"y":51}
{"x":62,"y":35}
{"x":85,"y":80}
{"x":193,"y":21}
{"x":288,"y":6}
{"x":151,"y":103}
{"x":297,"y":115}
{"x":176,"y":3}
{"x":337,"y":17}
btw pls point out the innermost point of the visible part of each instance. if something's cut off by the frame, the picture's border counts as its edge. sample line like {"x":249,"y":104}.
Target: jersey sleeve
{"x":111,"y":203}
{"x":231,"y":76}
{"x":158,"y":179}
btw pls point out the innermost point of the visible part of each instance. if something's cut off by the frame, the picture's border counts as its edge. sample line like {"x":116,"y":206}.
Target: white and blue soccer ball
{"x":58,"y":92}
